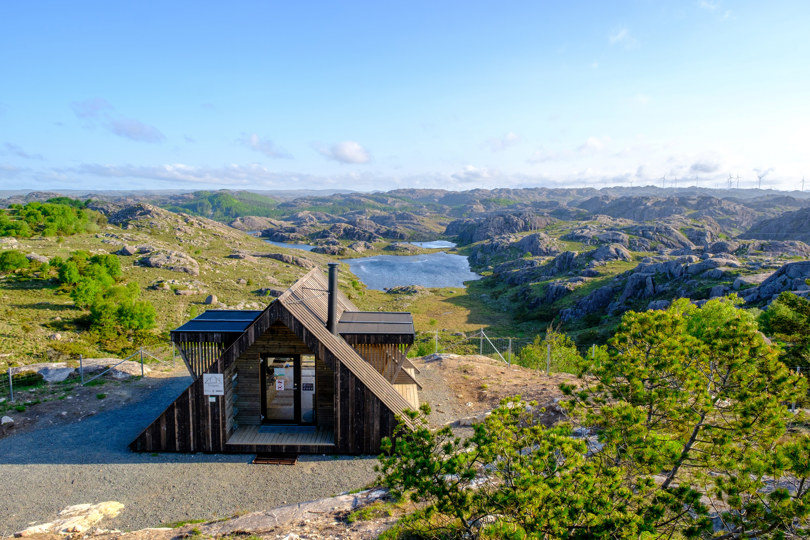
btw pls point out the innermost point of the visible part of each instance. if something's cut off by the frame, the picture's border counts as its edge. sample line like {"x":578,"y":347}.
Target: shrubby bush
{"x":60,"y":216}
{"x":12,"y":259}
{"x":688,"y":406}
{"x":116,"y":314}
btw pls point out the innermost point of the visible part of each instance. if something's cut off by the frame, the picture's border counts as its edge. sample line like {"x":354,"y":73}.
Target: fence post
{"x":481,"y":344}
{"x":81,"y":368}
{"x":509,"y":352}
{"x":548,"y":358}
{"x":436,"y":343}
{"x":593,"y":351}
{"x":174,"y":352}
{"x":10,"y":386}
{"x":141,"y":361}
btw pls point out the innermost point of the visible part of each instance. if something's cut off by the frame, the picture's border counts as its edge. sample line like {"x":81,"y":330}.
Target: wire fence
{"x":510,"y":350}
{"x":83,"y":371}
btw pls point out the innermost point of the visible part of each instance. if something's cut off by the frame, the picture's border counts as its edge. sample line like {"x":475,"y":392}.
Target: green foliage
{"x":527,"y":480}
{"x":565,"y":357}
{"x":63,"y":217}
{"x":226,"y":206}
{"x":115,"y":313}
{"x":698,"y":395}
{"x":12,"y":260}
{"x":688,"y":405}
{"x":787,"y":319}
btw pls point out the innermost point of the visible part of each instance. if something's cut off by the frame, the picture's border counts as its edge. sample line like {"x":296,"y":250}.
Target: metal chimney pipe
{"x":331,"y":313}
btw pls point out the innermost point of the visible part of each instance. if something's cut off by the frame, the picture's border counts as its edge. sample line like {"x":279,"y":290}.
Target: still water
{"x":435,"y":244}
{"x":429,"y":270}
{"x":305,"y":247}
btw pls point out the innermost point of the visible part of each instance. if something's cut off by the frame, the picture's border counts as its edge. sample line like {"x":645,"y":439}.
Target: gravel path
{"x":43,"y":471}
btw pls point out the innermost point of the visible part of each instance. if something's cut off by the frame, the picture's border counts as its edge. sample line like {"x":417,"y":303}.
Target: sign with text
{"x":280,"y":385}
{"x":213,"y":384}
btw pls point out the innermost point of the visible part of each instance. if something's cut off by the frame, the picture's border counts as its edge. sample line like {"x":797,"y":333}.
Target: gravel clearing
{"x":43,"y":471}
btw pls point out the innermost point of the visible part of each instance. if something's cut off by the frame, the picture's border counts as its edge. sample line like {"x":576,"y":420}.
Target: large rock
{"x":75,"y":520}
{"x":303,"y":262}
{"x":171,"y":260}
{"x":611,"y":252}
{"x":255,"y":223}
{"x":790,"y":277}
{"x":539,"y":244}
{"x":37,"y":258}
{"x":471,"y":230}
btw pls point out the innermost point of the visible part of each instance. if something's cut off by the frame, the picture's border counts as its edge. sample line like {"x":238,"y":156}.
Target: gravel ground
{"x":43,"y":471}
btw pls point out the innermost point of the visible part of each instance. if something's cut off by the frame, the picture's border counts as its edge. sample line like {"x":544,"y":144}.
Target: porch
{"x":292,"y":435}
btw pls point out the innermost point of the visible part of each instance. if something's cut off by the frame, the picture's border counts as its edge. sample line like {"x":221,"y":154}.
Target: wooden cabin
{"x":308,"y":374}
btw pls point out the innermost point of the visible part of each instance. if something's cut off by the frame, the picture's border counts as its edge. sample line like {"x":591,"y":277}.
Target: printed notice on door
{"x":213,"y":384}
{"x":280,"y":385}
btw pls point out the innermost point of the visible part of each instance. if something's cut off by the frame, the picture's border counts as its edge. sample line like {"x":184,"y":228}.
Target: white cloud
{"x":264,"y":146}
{"x":99,"y":111}
{"x":346,"y":152}
{"x":470,"y":174}
{"x":541,"y":155}
{"x":593,"y":145}
{"x":502,"y":143}
{"x":621,"y":36}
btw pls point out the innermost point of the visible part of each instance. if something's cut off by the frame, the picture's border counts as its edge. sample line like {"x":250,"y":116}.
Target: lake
{"x":305,"y":247}
{"x":429,"y":270}
{"x":435,"y":244}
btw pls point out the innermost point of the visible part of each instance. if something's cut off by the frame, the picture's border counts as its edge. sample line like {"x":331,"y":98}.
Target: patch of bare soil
{"x":69,"y":401}
{"x":462,"y":386}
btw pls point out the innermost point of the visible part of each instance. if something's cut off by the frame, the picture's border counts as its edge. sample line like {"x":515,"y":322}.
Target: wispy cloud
{"x":471,"y":174}
{"x":715,"y":7}
{"x":593,"y":144}
{"x":135,"y":130}
{"x":99,"y":111}
{"x":345,"y":152}
{"x":11,"y":149}
{"x":704,"y":166}
{"x":622,"y":36}
{"x":542,"y":155}
{"x":264,"y":146}
{"x":502,"y":143}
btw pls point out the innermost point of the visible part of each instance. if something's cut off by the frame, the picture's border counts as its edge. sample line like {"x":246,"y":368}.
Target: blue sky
{"x":381,"y":95}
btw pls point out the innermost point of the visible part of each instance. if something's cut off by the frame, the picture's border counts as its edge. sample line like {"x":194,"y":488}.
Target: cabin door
{"x":288,"y":389}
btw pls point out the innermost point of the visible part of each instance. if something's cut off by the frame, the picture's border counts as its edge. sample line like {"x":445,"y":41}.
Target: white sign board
{"x":213,"y":384}
{"x":280,"y":385}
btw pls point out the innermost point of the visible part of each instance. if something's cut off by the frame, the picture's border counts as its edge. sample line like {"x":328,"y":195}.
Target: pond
{"x":429,"y":270}
{"x":305,"y":247}
{"x":435,"y":244}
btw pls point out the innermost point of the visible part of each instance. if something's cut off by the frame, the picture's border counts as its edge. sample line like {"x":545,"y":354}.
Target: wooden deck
{"x":260,"y":436}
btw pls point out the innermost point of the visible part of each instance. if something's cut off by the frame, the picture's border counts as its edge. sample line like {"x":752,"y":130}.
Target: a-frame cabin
{"x":309,"y":374}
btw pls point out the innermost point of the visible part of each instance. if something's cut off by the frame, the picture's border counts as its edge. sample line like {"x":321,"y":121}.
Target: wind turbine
{"x":730,"y":180}
{"x":738,"y":181}
{"x":663,"y":181}
{"x":802,"y":183}
{"x":759,"y":180}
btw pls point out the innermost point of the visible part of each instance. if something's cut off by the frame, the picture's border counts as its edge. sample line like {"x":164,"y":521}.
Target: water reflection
{"x":429,"y":270}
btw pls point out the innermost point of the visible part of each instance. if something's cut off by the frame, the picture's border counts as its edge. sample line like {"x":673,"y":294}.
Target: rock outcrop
{"x":171,"y":260}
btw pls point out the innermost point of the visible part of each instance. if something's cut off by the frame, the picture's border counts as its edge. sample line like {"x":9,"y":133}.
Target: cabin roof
{"x":220,"y":320}
{"x":375,"y":322}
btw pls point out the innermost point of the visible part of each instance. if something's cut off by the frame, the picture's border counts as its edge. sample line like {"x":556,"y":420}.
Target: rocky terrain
{"x":579,"y":256}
